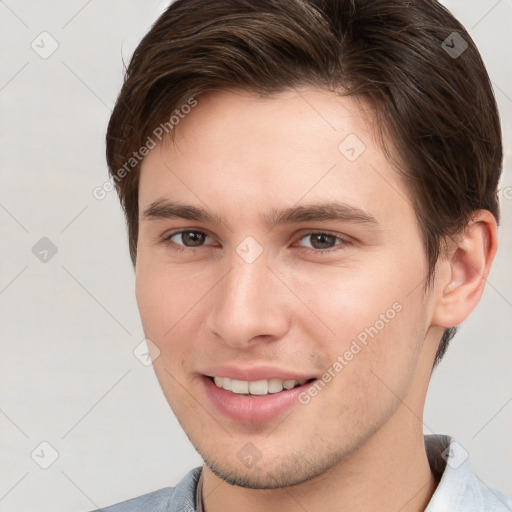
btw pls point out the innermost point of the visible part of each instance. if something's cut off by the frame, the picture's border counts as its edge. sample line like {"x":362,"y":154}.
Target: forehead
{"x":241,"y":154}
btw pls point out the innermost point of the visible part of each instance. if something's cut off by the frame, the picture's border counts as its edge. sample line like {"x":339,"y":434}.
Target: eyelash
{"x":322,"y":252}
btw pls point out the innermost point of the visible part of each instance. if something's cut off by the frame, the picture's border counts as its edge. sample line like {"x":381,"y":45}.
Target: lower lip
{"x":252,"y":408}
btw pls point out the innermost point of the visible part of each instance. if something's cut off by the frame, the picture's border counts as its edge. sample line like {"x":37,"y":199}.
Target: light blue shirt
{"x":459,"y":489}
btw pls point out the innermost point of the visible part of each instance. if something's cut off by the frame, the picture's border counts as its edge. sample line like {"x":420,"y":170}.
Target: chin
{"x":283,"y":471}
{"x":273,"y":478}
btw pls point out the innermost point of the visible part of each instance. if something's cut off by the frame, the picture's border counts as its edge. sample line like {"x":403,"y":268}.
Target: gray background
{"x":69,"y":325}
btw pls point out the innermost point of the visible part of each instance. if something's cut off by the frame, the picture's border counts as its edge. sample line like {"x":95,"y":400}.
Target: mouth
{"x":256,"y":401}
{"x":257,"y":387}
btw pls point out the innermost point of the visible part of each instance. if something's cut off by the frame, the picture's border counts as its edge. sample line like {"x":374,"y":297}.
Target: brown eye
{"x":186,"y":238}
{"x":192,"y":238}
{"x":324,"y":243}
{"x":322,"y":240}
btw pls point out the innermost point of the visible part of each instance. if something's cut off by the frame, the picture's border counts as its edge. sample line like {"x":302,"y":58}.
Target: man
{"x":311,"y":196}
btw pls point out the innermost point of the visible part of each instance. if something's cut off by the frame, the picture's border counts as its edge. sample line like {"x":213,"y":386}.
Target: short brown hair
{"x":436,"y":106}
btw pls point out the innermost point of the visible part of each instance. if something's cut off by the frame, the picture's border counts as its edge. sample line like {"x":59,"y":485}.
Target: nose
{"x":249,"y":305}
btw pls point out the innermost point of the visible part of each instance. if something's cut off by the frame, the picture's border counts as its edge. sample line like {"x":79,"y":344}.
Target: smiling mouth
{"x":257,"y":387}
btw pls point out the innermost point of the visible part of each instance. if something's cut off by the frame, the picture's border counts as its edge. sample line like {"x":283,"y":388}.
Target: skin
{"x":361,"y":436}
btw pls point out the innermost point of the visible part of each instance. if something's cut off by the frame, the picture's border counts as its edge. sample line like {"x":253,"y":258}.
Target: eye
{"x":189,"y":239}
{"x":321,"y":242}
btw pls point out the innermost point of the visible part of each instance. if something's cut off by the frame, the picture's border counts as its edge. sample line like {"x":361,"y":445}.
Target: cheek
{"x":165,"y":296}
{"x":374,"y":312}
{"x":349,"y":300}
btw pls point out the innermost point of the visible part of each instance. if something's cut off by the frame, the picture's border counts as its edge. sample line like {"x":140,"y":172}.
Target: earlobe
{"x":464,"y":270}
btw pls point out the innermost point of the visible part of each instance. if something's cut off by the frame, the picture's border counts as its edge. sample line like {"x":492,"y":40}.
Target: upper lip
{"x":254,"y":373}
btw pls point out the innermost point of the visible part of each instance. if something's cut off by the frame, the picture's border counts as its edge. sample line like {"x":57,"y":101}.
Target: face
{"x":280,"y":275}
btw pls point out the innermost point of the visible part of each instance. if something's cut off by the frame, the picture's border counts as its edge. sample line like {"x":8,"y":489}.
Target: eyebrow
{"x":329,"y":211}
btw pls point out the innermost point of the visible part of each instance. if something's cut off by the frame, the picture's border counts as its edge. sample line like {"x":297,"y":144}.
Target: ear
{"x":464,"y":269}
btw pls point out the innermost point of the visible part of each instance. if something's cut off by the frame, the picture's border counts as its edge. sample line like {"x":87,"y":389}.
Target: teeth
{"x":239,"y":386}
{"x":257,"y":387}
{"x":288,"y":384}
{"x":275,"y":385}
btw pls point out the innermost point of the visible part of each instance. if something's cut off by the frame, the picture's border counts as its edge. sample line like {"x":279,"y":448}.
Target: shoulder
{"x":155,"y":501}
{"x":493,"y":500}
{"x":169,"y":499}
